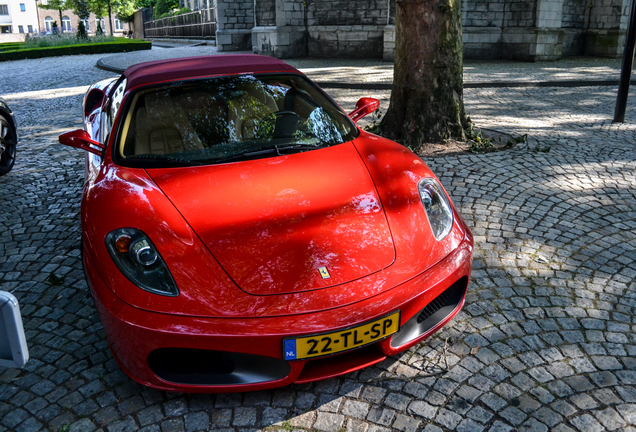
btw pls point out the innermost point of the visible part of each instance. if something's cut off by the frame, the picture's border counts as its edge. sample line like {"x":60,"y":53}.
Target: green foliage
{"x":99,"y":31}
{"x":58,"y":5}
{"x":10,"y":46}
{"x":539,"y":148}
{"x":64,"y":40}
{"x":517,"y":140}
{"x":79,"y":7}
{"x":374,"y":127}
{"x":181,"y":11}
{"x":163,"y":7}
{"x":81,"y":32}
{"x":478,"y":143}
{"x":124,"y":9}
{"x":116,"y":45}
{"x":99,"y":8}
{"x":145,"y":3}
{"x":54,"y":280}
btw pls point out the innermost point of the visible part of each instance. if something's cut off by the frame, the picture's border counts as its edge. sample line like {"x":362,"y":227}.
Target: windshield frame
{"x":129,"y":99}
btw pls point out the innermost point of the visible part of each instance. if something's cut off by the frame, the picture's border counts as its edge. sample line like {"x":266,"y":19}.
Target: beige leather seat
{"x":245,"y":111}
{"x":163,"y":127}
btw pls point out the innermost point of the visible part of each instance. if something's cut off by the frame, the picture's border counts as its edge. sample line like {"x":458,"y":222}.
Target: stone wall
{"x":519,"y":13}
{"x":530,"y":30}
{"x":265,"y":12}
{"x":346,"y":41}
{"x":239,"y":15}
{"x":573,"y":25}
{"x":341,"y":28}
{"x":607,"y":26}
{"x":573,"y":14}
{"x":347,"y":13}
{"x":482,"y":22}
{"x":483,"y":13}
{"x":235,"y":21}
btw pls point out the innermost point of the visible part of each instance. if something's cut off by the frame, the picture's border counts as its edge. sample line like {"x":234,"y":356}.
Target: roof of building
{"x":200,"y":67}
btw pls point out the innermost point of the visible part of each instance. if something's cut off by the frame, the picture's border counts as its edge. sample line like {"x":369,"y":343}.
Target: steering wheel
{"x":286,"y":124}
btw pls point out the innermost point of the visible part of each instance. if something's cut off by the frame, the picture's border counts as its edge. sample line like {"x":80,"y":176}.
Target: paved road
{"x":546,"y":340}
{"x":355,"y":71}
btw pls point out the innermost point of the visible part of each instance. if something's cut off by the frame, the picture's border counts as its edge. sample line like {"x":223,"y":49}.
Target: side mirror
{"x":80,"y":139}
{"x":92,"y":99}
{"x":364,"y":106}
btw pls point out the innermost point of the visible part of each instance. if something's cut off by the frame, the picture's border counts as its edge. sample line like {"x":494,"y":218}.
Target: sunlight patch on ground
{"x":565,"y":176}
{"x":365,"y":74}
{"x":46,"y":94}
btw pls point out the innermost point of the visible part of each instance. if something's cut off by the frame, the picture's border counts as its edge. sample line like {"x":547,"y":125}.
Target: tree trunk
{"x":110,"y":20}
{"x":61,"y":22}
{"x":427,"y":98}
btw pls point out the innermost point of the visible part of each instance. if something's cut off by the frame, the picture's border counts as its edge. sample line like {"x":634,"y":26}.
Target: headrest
{"x":158,"y":105}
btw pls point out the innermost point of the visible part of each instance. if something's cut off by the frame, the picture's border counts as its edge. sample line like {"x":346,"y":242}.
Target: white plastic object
{"x":14,"y":352}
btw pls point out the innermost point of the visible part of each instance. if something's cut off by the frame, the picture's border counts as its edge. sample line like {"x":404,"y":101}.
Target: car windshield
{"x":229,"y":119}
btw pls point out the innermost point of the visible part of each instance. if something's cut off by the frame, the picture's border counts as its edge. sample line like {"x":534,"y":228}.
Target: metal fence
{"x":200,"y":24}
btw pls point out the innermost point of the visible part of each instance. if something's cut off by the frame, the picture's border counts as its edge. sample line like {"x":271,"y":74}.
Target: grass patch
{"x":54,"y":46}
{"x":64,"y":40}
{"x":9,"y":46}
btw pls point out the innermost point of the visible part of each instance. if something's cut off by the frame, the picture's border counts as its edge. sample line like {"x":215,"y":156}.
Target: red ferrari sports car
{"x":240,"y":232}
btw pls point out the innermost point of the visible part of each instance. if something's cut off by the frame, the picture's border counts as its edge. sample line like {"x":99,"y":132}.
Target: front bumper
{"x":232,"y":345}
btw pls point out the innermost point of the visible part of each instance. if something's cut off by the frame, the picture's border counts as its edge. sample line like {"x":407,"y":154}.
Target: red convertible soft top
{"x":197,"y":67}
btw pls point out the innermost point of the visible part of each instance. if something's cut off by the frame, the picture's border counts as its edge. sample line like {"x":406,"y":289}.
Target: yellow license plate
{"x":342,"y":340}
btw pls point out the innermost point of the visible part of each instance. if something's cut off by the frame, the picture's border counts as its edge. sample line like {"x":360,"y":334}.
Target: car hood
{"x":286,"y":224}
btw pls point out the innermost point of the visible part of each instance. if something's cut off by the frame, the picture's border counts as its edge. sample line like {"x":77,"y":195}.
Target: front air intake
{"x":206,"y":367}
{"x":435,"y":312}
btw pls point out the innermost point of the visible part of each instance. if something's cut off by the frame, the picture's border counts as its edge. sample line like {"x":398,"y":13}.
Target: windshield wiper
{"x":277,"y":149}
{"x":158,"y":161}
{"x":246,"y":155}
{"x":301,"y":147}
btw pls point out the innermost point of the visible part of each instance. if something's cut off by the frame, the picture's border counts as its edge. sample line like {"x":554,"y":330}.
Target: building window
{"x":22,"y":7}
{"x":4,"y":10}
{"x":30,"y":29}
{"x":66,"y":24}
{"x":87,"y":24}
{"x":48,"y":23}
{"x":20,"y":29}
{"x":119,"y":26}
{"x":5,"y":29}
{"x":101,"y":23}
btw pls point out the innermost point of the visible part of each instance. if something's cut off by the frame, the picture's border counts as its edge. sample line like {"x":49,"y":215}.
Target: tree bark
{"x":427,"y":94}
{"x":110,"y":19}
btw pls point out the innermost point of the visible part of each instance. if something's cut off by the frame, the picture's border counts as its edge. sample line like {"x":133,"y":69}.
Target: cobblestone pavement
{"x":546,"y":340}
{"x":377,"y":71}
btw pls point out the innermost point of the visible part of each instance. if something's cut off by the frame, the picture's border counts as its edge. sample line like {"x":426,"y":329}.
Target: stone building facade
{"x":17,"y":18}
{"x":70,"y":22}
{"x":531,"y":30}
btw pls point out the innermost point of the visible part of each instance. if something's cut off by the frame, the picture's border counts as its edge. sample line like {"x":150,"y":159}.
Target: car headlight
{"x":137,"y":258}
{"x":437,"y":206}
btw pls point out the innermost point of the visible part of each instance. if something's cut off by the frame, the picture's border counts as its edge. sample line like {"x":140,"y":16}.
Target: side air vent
{"x":434,"y":313}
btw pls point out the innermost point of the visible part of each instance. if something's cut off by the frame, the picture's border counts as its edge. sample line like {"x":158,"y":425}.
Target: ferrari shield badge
{"x":324,"y":273}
